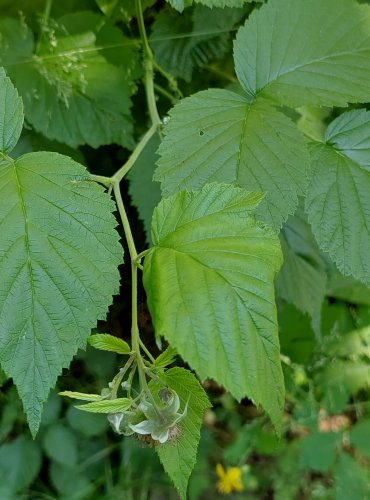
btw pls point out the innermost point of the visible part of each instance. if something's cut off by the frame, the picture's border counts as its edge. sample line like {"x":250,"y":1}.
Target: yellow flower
{"x":229,"y":480}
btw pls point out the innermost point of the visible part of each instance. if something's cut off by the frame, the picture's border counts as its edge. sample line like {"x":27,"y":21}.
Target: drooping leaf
{"x":347,"y":288}
{"x":20,"y":462}
{"x":107,"y":406}
{"x":11,"y":114}
{"x":179,"y":456}
{"x":63,"y":80}
{"x":302,"y":279}
{"x":209,"y":281}
{"x":106,"y":342}
{"x":221,"y":137}
{"x":81,"y":396}
{"x":337,"y":202}
{"x":144,"y":192}
{"x":59,"y":254}
{"x":306,"y":52}
{"x":183,"y":42}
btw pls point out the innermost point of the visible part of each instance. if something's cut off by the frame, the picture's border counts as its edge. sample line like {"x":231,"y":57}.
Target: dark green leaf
{"x":338,"y":206}
{"x":61,"y":445}
{"x":20,"y":462}
{"x":318,"y":451}
{"x":11,"y":114}
{"x":360,"y":436}
{"x":209,"y":281}
{"x":221,"y":137}
{"x":351,"y":480}
{"x":306,"y":52}
{"x":59,"y":254}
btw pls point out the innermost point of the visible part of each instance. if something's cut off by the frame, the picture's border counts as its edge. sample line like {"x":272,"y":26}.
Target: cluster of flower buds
{"x":158,"y":418}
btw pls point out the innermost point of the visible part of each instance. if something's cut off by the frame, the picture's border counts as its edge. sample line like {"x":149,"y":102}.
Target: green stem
{"x":165,"y":94}
{"x":119,"y":377}
{"x":119,"y":175}
{"x":125,"y":223}
{"x":146,"y":350}
{"x":148,"y":66}
{"x":106,"y":181}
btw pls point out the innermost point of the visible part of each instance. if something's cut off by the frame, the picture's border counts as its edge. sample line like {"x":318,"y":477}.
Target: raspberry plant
{"x":234,"y":165}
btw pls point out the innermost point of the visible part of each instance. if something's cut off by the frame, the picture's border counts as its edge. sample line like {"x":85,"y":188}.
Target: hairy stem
{"x":125,"y":222}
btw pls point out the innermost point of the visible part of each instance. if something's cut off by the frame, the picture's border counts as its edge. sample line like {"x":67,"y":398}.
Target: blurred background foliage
{"x":324,"y":317}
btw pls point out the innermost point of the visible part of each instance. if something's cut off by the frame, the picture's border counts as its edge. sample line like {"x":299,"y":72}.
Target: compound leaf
{"x":209,"y":281}
{"x":179,"y":456}
{"x":11,"y":114}
{"x":59,"y":254}
{"x":306,"y":52}
{"x":338,"y":203}
{"x":221,"y":137}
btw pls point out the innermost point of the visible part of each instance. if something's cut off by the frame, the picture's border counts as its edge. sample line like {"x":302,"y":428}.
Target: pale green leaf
{"x":302,"y":278}
{"x":351,"y":375}
{"x":221,"y":137}
{"x":179,"y":456}
{"x":11,"y":114}
{"x":60,"y":445}
{"x":359,"y":436}
{"x":63,"y":81}
{"x":144,"y":192}
{"x":59,"y":254}
{"x":209,"y":282}
{"x":107,"y":406}
{"x":338,"y":207}
{"x":306,"y":52}
{"x":165,"y":358}
{"x":20,"y":463}
{"x":183,"y":42}
{"x":106,"y":342}
{"x":81,"y":396}
{"x":352,"y":344}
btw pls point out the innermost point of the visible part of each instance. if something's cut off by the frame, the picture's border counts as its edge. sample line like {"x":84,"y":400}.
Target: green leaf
{"x":351,"y":375}
{"x":318,"y":450}
{"x":179,"y":456}
{"x":302,"y":279}
{"x":11,"y":114}
{"x":351,"y":480}
{"x":352,"y":344}
{"x":144,"y":192}
{"x":106,"y":342}
{"x":209,"y":282}
{"x":63,"y":82}
{"x":346,"y":288}
{"x":87,"y":424}
{"x":350,"y":134}
{"x":20,"y":463}
{"x":221,"y":137}
{"x":59,"y":254}
{"x":180,"y":5}
{"x":183,"y":42}
{"x":338,"y":204}
{"x":81,"y":396}
{"x":359,"y":436}
{"x":306,"y":52}
{"x":165,"y":358}
{"x":60,"y":445}
{"x":107,"y":406}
